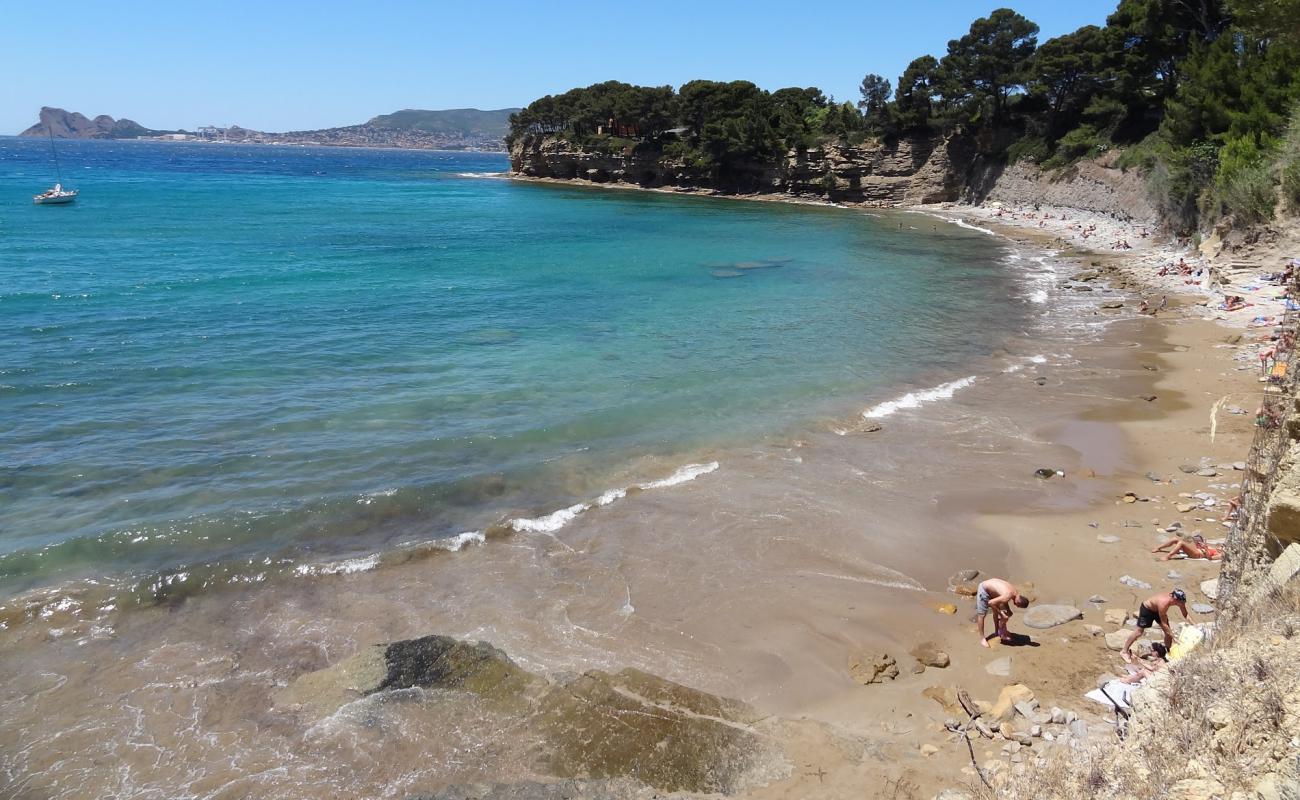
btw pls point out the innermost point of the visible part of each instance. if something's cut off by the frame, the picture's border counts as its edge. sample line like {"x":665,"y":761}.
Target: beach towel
{"x":1119,"y":692}
{"x":1188,"y":638}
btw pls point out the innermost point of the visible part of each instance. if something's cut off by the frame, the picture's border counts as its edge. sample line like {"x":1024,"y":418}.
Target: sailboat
{"x":56,"y":196}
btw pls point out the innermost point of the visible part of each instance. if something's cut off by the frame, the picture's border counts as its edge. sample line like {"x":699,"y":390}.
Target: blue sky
{"x":297,"y":65}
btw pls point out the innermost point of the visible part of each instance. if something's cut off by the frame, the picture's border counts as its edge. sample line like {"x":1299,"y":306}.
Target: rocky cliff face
{"x":909,"y":171}
{"x":63,"y":124}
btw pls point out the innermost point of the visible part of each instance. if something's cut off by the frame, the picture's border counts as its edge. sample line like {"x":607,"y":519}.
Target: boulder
{"x":874,"y":668}
{"x":1113,"y":304}
{"x":963,"y":575}
{"x":1207,"y":472}
{"x":1116,"y":616}
{"x":1004,"y":710}
{"x":1210,"y":588}
{"x":1049,"y":616}
{"x":966,"y":589}
{"x":1094,"y":630}
{"x":1115,"y":639}
{"x":945,"y":696}
{"x":930,"y":655}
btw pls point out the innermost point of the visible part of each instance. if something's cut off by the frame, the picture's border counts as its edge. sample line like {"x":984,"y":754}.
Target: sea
{"x":261,"y":407}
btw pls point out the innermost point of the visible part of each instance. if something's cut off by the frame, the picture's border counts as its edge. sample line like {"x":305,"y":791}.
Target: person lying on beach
{"x":1234,"y":302}
{"x":1158,"y":660}
{"x":1155,"y":609}
{"x":1196,"y":548}
{"x":996,"y":595}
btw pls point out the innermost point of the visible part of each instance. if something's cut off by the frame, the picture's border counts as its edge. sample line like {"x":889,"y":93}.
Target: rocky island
{"x":449,"y":129}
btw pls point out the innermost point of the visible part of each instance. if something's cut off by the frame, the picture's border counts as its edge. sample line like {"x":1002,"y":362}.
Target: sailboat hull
{"x":54,"y":199}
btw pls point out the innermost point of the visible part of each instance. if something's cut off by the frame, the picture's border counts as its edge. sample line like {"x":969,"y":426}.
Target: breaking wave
{"x":915,"y":399}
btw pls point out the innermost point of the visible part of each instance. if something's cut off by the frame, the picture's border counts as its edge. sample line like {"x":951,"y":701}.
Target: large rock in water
{"x":1049,"y":616}
{"x":629,"y":725}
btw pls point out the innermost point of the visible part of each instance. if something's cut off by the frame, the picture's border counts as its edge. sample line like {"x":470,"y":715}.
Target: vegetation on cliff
{"x":1198,"y":93}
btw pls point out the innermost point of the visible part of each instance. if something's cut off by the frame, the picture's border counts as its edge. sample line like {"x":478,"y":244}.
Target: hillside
{"x":464,"y":121}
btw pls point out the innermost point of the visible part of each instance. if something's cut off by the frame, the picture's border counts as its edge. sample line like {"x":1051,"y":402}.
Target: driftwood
{"x":974,"y":713}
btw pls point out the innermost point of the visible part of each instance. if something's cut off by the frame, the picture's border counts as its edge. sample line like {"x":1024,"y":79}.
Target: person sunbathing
{"x":1234,"y":302}
{"x":1196,"y":548}
{"x":1158,"y":659}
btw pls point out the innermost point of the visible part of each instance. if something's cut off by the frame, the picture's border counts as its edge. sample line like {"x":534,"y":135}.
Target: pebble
{"x":1188,"y":468}
{"x":1130,"y":581}
{"x":1096,"y":598}
{"x":1208,"y":472}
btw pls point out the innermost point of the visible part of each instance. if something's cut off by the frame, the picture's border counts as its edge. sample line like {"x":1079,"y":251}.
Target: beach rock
{"x":966,"y":589}
{"x":1040,"y":380}
{"x":1116,"y":616}
{"x":1000,"y":667}
{"x":874,"y":668}
{"x":1115,"y":639}
{"x":952,"y":794}
{"x":1239,"y":465}
{"x":1150,"y":398}
{"x":1058,"y":716}
{"x":963,"y":575}
{"x":945,"y":696}
{"x":870,"y":427}
{"x":1129,"y":497}
{"x":1185,"y":507}
{"x":946,"y":608}
{"x":1113,"y":304}
{"x":929,"y":654}
{"x":1004,"y":710}
{"x":1208,"y":472}
{"x":1210,"y":588}
{"x":1190,"y":469}
{"x":1130,"y":581}
{"x":1154,"y":478}
{"x":1085,"y":276}
{"x":1107,"y":539}
{"x":1202,"y":608}
{"x":1096,"y":598}
{"x":1045,"y":472}
{"x":928,"y":750}
{"x":1049,"y":616}
{"x":1094,"y":630}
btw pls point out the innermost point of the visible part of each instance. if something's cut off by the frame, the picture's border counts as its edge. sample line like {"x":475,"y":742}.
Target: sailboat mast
{"x":57,"y":169}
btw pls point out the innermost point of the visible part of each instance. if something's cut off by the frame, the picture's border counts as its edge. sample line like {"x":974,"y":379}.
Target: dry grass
{"x":1226,"y":712}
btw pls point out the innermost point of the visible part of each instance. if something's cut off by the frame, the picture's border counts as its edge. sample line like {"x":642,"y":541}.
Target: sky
{"x":280,"y":65}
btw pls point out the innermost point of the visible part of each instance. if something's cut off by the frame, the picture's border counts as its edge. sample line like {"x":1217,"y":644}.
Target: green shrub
{"x":1243,"y":182}
{"x":1290,"y":162}
{"x":1082,"y":142}
{"x":1033,"y":149}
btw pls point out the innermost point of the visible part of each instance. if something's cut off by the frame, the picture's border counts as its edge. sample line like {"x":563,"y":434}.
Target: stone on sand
{"x":946,"y":608}
{"x":929,"y":654}
{"x":1107,"y":539}
{"x":963,"y":575}
{"x":1115,"y":639}
{"x":1116,"y":616}
{"x":874,"y":668}
{"x":945,"y":696}
{"x":1210,"y":588}
{"x":1202,"y":608}
{"x":1004,"y":710}
{"x":1130,"y":581}
{"x":1049,"y":616}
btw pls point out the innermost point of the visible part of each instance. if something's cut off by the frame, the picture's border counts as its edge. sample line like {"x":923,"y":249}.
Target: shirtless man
{"x":1155,"y":609}
{"x":997,"y":595}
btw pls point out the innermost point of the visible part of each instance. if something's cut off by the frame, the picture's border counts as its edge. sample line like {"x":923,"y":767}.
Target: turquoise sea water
{"x":232,"y":358}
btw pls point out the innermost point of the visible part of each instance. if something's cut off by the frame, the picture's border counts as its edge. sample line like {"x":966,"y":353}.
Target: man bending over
{"x":996,"y":595}
{"x":1155,"y":609}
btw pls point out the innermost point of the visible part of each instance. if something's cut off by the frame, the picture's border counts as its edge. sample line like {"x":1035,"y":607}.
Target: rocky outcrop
{"x":908,"y":171}
{"x":629,"y":726}
{"x":1094,"y":185}
{"x":63,"y":124}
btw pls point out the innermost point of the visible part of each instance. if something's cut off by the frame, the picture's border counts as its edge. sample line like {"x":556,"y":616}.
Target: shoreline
{"x":860,"y":736}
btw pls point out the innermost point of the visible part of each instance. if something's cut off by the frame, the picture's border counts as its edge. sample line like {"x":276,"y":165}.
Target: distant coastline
{"x":463,"y":129}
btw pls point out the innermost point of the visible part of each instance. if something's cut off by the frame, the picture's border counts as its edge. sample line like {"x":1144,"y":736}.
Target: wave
{"x":344,"y":567}
{"x":552,"y":522}
{"x":961,"y":223}
{"x":482,"y":174}
{"x":915,"y":399}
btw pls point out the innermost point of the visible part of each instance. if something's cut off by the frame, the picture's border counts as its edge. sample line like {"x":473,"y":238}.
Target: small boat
{"x":56,"y":196}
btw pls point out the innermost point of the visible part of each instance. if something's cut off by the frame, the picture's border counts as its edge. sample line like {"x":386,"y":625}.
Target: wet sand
{"x":760,"y":581}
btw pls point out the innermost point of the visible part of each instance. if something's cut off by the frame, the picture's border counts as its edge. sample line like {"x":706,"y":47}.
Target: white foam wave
{"x":1038,"y":296}
{"x":551,"y":522}
{"x":1038,"y":359}
{"x":899,"y":581}
{"x":344,"y":567}
{"x":683,"y":474}
{"x":481,"y":174}
{"x":910,"y":400}
{"x":961,"y":223}
{"x":455,"y":543}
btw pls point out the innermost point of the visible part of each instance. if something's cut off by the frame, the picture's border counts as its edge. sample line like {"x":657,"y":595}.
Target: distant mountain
{"x":73,"y":125}
{"x":450,"y":129}
{"x":467,"y":122}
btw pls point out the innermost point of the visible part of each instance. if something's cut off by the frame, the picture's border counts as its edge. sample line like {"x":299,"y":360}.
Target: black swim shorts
{"x":1146,"y":617}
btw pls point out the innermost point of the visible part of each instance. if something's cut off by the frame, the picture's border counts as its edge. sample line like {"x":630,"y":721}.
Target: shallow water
{"x":223,"y":355}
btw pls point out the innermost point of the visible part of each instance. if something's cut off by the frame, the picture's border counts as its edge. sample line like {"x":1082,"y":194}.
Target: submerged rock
{"x":874,"y":668}
{"x":629,"y":725}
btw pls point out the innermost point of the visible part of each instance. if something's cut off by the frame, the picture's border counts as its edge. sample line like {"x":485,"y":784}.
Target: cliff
{"x":910,"y":171}
{"x":907,"y":171}
{"x":63,"y":124}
